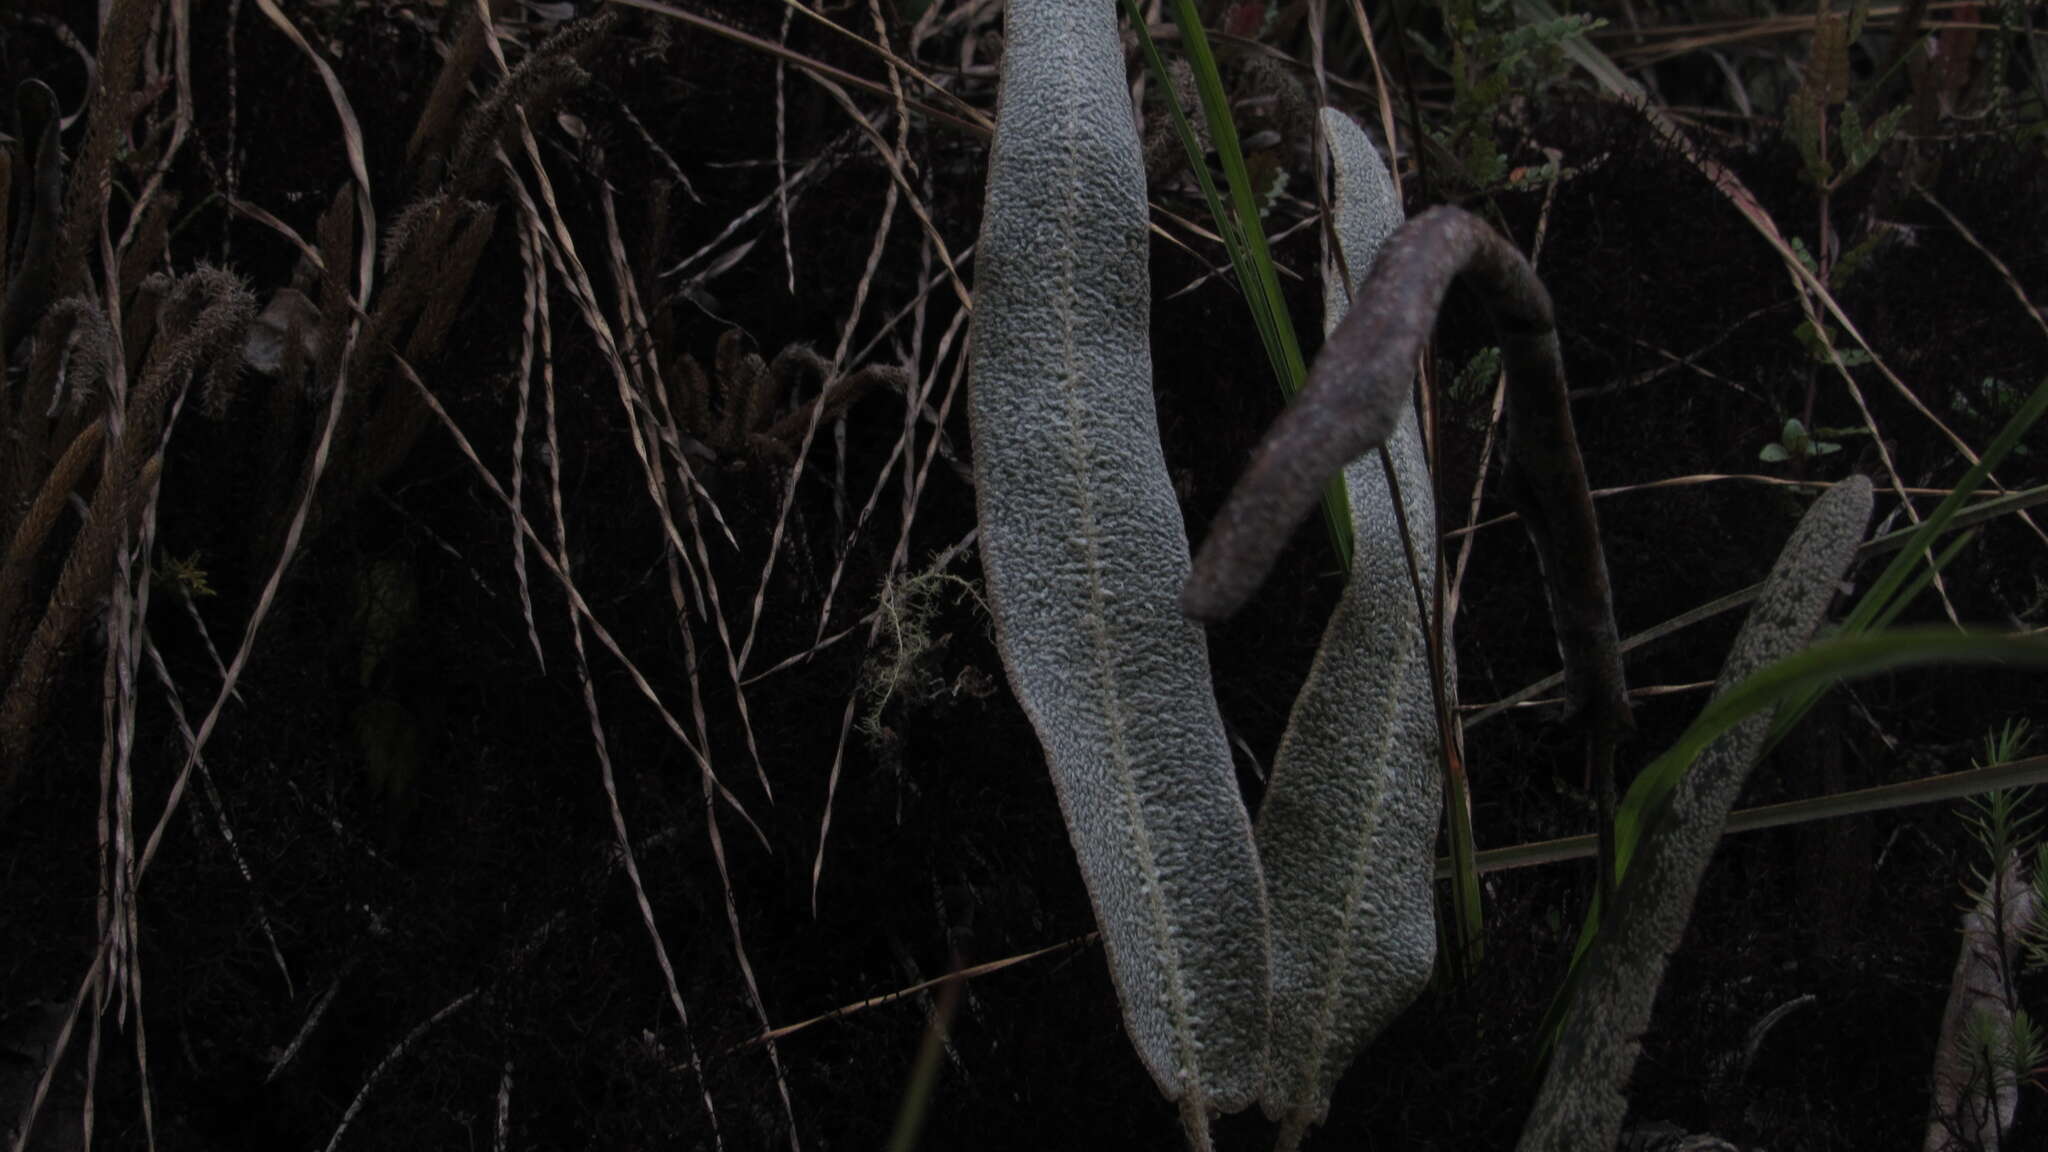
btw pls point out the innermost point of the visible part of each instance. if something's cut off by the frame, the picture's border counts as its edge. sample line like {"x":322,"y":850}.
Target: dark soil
{"x":324,"y":959}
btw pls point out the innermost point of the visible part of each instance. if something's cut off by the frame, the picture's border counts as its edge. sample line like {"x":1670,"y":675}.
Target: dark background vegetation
{"x":492,"y":881}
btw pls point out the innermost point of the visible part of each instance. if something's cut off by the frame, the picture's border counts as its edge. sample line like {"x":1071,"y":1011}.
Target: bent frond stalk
{"x":1349,"y":821}
{"x":1084,"y":551}
{"x":1581,"y":1102}
{"x":1356,"y":393}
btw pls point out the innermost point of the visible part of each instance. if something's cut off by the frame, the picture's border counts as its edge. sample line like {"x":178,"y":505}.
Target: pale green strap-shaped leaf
{"x":1348,"y":824}
{"x":1581,"y":1102}
{"x":1085,"y":554}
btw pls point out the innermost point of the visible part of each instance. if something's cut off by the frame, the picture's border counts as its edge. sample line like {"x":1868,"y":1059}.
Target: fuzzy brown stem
{"x":85,"y":572}
{"x":205,"y":316}
{"x":18,"y":566}
{"x":1356,"y":391}
{"x":108,"y":116}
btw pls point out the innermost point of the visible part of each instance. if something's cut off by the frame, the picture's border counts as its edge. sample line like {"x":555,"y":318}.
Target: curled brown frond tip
{"x":1358,"y":389}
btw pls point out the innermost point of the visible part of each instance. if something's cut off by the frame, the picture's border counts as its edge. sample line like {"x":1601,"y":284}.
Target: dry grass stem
{"x":967,"y":117}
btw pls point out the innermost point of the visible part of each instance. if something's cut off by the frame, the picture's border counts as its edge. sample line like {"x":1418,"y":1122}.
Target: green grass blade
{"x":1795,"y":709}
{"x":1262,"y":286}
{"x":1793,"y":684}
{"x":924,"y":1073}
{"x":1468,"y":910}
{"x":1908,"y":573}
{"x":1876,"y":601}
{"x":1827,"y":662}
{"x":1922,"y":577}
{"x":1237,"y":221}
{"x":1911,"y":570}
{"x":1833,"y":806}
{"x":1815,"y":668}
{"x":1792,"y":603}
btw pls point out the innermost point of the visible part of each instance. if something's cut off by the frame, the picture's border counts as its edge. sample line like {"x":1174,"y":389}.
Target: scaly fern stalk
{"x":1355,"y":395}
{"x":1084,"y":554}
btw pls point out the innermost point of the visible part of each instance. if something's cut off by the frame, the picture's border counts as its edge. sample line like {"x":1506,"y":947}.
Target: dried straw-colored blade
{"x":1890,"y":542}
{"x":351,"y":143}
{"x":967,"y":118}
{"x":2026,"y":773}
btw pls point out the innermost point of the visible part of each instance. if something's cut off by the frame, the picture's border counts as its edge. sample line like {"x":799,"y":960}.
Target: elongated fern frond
{"x":1084,"y":552}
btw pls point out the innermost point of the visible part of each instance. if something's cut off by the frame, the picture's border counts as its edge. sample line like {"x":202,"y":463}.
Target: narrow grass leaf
{"x":1238,"y":222}
{"x":1886,"y":588}
{"x":1910,"y":572}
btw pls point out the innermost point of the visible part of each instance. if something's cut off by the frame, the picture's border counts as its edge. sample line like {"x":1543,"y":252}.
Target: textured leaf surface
{"x":1085,"y":554}
{"x":1581,"y":1103}
{"x":1348,"y":824}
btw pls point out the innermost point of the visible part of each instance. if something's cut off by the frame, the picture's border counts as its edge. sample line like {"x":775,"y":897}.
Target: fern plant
{"x":1254,"y":961}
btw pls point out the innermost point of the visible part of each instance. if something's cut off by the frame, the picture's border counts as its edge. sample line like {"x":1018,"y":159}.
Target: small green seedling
{"x":1796,"y":443}
{"x":1811,"y":339}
